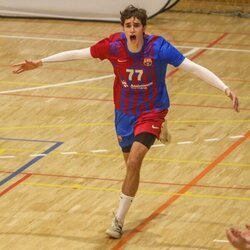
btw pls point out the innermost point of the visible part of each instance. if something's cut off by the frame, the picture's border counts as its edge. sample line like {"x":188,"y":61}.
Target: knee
{"x":133,"y":165}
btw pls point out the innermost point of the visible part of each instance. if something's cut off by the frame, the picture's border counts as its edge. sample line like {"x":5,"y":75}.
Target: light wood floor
{"x":61,"y":168}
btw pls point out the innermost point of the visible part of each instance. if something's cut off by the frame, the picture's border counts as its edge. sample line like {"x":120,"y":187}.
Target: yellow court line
{"x":48,"y":84}
{"x":146,"y":192}
{"x":115,"y":156}
{"x":111,"y":89}
{"x":87,"y":124}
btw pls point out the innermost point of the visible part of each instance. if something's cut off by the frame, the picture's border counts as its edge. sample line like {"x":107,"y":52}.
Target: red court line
{"x":211,"y":44}
{"x":183,"y":190}
{"x":110,"y":100}
{"x":121,"y":180}
{"x":14,"y":184}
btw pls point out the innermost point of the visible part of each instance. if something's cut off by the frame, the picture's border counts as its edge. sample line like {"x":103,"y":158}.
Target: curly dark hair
{"x":132,"y":11}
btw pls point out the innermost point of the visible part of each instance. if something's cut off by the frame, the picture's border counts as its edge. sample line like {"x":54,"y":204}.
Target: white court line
{"x":66,"y":83}
{"x":69,"y":153}
{"x":212,"y":139}
{"x":47,"y":39}
{"x":99,"y":151}
{"x":56,"y":85}
{"x":192,"y":51}
{"x":220,"y":241}
{"x":236,"y":136}
{"x":92,"y":42}
{"x":184,"y":142}
{"x":36,"y":155}
{"x":7,"y":157}
{"x":157,"y":145}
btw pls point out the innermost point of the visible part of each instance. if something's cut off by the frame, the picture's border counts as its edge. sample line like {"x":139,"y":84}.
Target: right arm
{"x":60,"y":57}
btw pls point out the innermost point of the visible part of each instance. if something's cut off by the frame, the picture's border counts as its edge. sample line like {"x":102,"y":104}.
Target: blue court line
{"x":34,"y":160}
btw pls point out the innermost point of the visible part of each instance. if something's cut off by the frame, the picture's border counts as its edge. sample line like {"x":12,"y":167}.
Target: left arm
{"x":209,"y":77}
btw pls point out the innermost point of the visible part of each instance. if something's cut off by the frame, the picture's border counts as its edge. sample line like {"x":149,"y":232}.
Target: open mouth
{"x":132,"y":37}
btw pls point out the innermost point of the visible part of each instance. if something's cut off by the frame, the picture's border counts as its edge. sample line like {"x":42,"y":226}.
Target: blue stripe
{"x":30,"y":163}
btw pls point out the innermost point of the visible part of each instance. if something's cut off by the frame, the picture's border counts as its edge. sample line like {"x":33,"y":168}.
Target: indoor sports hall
{"x":61,"y":166}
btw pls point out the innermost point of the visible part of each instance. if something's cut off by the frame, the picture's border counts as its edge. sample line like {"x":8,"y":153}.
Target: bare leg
{"x":133,"y":162}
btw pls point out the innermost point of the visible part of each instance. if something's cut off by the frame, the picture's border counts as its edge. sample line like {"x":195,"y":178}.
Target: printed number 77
{"x":134,"y":71}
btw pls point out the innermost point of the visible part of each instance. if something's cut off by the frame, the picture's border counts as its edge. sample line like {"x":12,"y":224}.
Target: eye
{"x":137,"y":25}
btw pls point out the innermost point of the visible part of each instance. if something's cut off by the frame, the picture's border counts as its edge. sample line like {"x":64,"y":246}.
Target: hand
{"x":26,"y":65}
{"x":234,"y":98}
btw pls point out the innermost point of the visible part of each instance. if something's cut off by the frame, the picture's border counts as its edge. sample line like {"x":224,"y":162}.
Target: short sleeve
{"x":170,"y":55}
{"x":100,"y":49}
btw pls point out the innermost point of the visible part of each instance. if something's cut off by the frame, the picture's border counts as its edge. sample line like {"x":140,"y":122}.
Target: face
{"x":133,"y":30}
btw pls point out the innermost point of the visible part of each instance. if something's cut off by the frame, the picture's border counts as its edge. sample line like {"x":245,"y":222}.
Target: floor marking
{"x":92,"y":42}
{"x":35,"y":155}
{"x":145,"y":192}
{"x":7,"y":156}
{"x":192,"y":51}
{"x":127,"y":237}
{"x":236,"y":136}
{"x":147,"y":158}
{"x":212,"y":139}
{"x":69,"y":153}
{"x":158,"y":145}
{"x":26,"y":176}
{"x":220,"y":241}
{"x":47,"y":39}
{"x":184,"y":142}
{"x":30,"y":163}
{"x":57,"y":84}
{"x":99,"y":151}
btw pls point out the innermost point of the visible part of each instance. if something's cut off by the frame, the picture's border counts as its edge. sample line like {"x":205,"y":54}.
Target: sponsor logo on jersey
{"x":124,"y":83}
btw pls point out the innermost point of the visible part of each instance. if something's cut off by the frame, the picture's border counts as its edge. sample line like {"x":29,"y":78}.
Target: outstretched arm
{"x":60,"y":57}
{"x":209,"y":77}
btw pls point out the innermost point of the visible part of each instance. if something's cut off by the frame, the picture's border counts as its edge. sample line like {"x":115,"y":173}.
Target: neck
{"x":135,"y":47}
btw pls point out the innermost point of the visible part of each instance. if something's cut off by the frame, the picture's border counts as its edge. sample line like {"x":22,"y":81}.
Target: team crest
{"x":147,"y":62}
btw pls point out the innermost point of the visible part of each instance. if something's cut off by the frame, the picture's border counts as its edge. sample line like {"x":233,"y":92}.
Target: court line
{"x":141,"y":191}
{"x":183,"y":190}
{"x":93,"y":178}
{"x":6,"y":190}
{"x":93,"y":42}
{"x":110,"y":100}
{"x":57,"y":84}
{"x":69,"y":83}
{"x":30,"y":163}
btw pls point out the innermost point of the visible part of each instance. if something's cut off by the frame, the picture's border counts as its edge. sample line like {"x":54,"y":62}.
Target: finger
{"x":236,"y":105}
{"x":18,"y":71}
{"x":18,"y":64}
{"x":230,"y":235}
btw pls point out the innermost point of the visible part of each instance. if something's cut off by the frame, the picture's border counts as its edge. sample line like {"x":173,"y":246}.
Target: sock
{"x":124,"y":205}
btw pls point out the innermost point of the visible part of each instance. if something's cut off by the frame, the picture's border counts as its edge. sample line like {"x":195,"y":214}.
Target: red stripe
{"x":15,"y":184}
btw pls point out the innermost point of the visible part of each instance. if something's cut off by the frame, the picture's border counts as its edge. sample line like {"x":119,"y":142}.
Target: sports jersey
{"x":139,"y":83}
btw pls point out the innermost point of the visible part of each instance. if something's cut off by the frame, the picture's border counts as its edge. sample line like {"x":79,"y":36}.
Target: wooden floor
{"x":61,"y":168}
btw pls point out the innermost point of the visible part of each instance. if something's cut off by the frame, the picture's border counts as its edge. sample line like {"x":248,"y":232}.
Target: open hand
{"x":234,"y":98}
{"x":26,"y":65}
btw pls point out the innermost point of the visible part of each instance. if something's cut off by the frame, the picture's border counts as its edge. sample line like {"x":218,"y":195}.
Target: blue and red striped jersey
{"x":139,"y":77}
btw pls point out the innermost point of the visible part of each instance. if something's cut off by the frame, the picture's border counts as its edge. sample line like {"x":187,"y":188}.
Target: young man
{"x":240,"y":239}
{"x":140,"y":94}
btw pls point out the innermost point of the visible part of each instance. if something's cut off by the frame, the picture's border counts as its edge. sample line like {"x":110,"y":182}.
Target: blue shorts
{"x":127,"y":126}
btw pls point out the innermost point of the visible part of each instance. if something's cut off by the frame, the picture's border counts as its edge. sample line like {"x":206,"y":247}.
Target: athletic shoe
{"x":115,"y":230}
